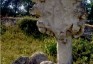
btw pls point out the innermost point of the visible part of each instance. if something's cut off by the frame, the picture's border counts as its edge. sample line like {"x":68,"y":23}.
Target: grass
{"x":15,"y":43}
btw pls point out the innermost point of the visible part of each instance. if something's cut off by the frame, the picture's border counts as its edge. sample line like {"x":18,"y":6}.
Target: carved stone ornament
{"x":63,"y":19}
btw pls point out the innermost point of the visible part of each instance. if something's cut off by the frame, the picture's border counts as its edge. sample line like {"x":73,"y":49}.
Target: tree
{"x":90,"y":12}
{"x":12,"y":7}
{"x":4,"y":7}
{"x":90,"y":17}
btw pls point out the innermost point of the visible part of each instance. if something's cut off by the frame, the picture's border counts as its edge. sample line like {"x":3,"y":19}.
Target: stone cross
{"x":63,"y":19}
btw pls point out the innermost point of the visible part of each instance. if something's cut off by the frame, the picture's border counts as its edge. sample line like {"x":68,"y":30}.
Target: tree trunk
{"x":64,"y":52}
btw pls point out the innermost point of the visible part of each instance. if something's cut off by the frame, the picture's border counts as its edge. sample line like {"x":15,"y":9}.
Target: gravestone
{"x":63,"y":19}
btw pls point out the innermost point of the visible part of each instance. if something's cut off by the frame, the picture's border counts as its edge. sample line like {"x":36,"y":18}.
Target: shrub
{"x":50,"y":47}
{"x":82,"y":51}
{"x":2,"y":29}
{"x":28,"y":25}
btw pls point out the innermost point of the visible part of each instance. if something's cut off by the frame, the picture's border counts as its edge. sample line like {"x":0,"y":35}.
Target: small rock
{"x":46,"y":62}
{"x":37,"y":58}
{"x":21,"y":60}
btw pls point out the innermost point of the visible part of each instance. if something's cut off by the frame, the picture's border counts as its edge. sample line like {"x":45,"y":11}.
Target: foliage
{"x":82,"y":51}
{"x":50,"y":47}
{"x":89,"y":8}
{"x":12,"y":7}
{"x":90,"y":17}
{"x":2,"y":29}
{"x":29,"y":27}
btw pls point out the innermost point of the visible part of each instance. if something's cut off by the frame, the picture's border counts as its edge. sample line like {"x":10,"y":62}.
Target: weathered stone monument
{"x":63,"y":19}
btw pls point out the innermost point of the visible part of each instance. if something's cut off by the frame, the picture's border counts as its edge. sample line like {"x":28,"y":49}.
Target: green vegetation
{"x":28,"y":25}
{"x":82,"y":51}
{"x":15,"y":42}
{"x":2,"y":29}
{"x":15,"y":7}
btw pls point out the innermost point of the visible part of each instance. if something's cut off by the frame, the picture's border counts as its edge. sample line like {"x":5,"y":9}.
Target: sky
{"x":22,"y":8}
{"x":88,"y":1}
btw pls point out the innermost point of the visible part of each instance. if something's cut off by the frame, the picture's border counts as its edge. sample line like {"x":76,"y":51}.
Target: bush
{"x":28,"y":25}
{"x":50,"y":47}
{"x":82,"y":51}
{"x":2,"y":29}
